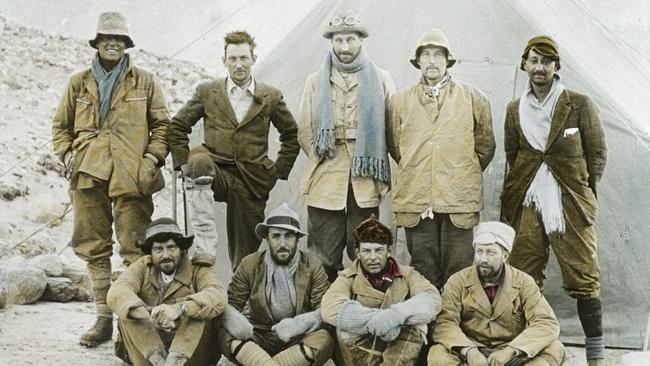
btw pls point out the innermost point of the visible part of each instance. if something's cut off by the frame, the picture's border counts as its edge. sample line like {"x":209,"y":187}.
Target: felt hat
{"x":112,"y":23}
{"x":345,"y":21}
{"x":545,"y":46}
{"x":372,"y":230}
{"x":494,"y":232}
{"x":433,"y":37}
{"x":163,"y":229}
{"x":282,"y":217}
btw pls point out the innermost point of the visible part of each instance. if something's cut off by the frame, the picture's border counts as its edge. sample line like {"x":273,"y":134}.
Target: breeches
{"x":553,"y":355}
{"x":576,"y":253}
{"x":372,"y":351}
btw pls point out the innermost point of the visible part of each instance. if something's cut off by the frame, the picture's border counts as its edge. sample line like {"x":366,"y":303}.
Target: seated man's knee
{"x":554,"y":354}
{"x":440,"y":356}
{"x":200,"y":164}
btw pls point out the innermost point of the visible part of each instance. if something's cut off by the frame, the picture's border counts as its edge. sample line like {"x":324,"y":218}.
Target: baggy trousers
{"x":552,"y":355}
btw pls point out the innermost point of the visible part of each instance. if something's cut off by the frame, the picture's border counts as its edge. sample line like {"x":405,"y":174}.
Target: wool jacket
{"x":244,"y":144}
{"x":519,"y":317}
{"x":441,"y":152}
{"x":326,"y":182}
{"x":576,"y":154}
{"x":248,"y":285}
{"x":136,"y":124}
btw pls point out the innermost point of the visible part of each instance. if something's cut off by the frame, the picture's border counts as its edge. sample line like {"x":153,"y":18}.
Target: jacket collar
{"x":562,"y":109}
{"x":504,"y":298}
{"x":223,"y":102}
{"x":182,"y":277}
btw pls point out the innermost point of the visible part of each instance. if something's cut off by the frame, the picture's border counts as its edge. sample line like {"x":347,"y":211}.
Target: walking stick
{"x":174,"y":194}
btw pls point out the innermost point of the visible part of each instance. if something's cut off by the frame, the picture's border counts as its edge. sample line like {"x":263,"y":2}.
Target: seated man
{"x":380,"y":308}
{"x":281,"y":289}
{"x":165,"y":303}
{"x":493,"y":314}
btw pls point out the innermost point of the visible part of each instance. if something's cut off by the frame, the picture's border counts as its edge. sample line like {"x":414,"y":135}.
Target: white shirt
{"x":240,"y":98}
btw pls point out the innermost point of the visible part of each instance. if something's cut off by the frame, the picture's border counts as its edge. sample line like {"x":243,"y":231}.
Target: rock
{"x":50,"y":263}
{"x":15,"y":261}
{"x":59,"y":289}
{"x":77,"y":273}
{"x":24,"y":285}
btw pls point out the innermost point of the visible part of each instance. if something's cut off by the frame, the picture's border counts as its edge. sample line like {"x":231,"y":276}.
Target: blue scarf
{"x":106,"y":83}
{"x":370,"y":156}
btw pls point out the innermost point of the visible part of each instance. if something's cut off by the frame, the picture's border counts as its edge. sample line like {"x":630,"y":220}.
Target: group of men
{"x":112,"y":131}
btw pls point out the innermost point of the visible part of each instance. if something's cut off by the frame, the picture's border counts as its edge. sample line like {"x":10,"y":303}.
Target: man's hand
{"x":164,"y":316}
{"x":68,"y":161}
{"x":384,"y":321}
{"x":139,"y":313}
{"x":476,"y":358}
{"x":501,"y":357}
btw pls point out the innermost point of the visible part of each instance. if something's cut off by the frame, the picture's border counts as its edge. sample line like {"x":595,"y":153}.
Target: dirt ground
{"x":47,"y":333}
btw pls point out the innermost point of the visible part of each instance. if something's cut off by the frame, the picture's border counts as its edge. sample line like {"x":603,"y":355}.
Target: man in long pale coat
{"x":493,"y":314}
{"x":441,"y":137}
{"x":556,"y":152}
{"x":110,"y":130}
{"x":380,"y":308}
{"x":342,"y":131}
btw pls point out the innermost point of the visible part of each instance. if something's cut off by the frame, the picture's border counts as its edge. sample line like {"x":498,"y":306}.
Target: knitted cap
{"x":545,"y":46}
{"x":345,"y":21}
{"x":112,"y":23}
{"x":494,"y":232}
{"x":282,"y":217}
{"x":433,"y":37}
{"x":372,"y":230}
{"x":163,"y":229}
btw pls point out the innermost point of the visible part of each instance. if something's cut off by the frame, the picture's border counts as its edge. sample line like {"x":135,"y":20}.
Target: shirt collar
{"x":230,"y":84}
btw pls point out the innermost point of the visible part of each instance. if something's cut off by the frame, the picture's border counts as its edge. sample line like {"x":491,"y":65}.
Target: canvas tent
{"x":488,"y":38}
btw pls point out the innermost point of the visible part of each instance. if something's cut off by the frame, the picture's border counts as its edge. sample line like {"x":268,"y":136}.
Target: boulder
{"x":51,"y":264}
{"x":77,"y":273}
{"x":59,"y":289}
{"x":23,"y":284}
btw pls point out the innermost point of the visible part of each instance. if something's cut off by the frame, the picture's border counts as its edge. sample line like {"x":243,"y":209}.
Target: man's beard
{"x":283,"y":262}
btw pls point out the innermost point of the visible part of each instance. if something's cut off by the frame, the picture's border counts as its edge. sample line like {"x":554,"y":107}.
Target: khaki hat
{"x":494,"y":232}
{"x":346,"y":21}
{"x":433,"y":37}
{"x":163,"y":229}
{"x":545,"y":46}
{"x":282,"y":217}
{"x":112,"y":23}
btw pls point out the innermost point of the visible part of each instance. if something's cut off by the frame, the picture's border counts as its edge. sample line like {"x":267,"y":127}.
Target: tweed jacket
{"x":576,"y":154}
{"x":136,"y":124}
{"x":248,"y":285}
{"x":519,"y":316}
{"x":326,"y":182}
{"x":244,"y":144}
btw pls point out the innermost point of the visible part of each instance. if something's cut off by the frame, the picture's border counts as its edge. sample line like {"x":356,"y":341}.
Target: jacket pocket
{"x":84,"y":113}
{"x":137,"y":107}
{"x":150,"y":178}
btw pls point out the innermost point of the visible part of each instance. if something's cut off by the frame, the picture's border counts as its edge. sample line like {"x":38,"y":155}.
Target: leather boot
{"x":202,"y":216}
{"x":99,"y":272}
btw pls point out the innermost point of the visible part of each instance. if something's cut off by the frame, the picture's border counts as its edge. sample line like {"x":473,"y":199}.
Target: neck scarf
{"x":106,"y":83}
{"x":544,"y":192}
{"x":434,"y":90}
{"x":370,"y":156}
{"x":280,"y":286}
{"x":381,"y":281}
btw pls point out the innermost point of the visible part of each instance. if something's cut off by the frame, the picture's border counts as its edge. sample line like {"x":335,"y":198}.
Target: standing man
{"x":380,"y":308}
{"x":441,"y":137}
{"x":282,"y":289}
{"x":110,"y":131}
{"x":166,"y":302}
{"x":233,"y":160}
{"x":342,"y":131}
{"x":493,"y":314}
{"x":556,"y":153}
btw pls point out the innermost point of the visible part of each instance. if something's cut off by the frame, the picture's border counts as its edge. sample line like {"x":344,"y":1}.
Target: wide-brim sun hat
{"x":433,"y":37}
{"x":112,"y":23}
{"x":282,"y":217}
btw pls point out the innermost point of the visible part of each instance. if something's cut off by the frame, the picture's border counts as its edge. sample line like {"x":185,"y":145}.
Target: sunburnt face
{"x":433,"y":63}
{"x":346,"y":46}
{"x":111,"y":49}
{"x":488,"y":259}
{"x":373,"y":256}
{"x":239,"y":61}
{"x":166,"y":256}
{"x":540,"y":69}
{"x":282,"y":244}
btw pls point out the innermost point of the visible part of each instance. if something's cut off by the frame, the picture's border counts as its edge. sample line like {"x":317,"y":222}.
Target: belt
{"x":343,"y":134}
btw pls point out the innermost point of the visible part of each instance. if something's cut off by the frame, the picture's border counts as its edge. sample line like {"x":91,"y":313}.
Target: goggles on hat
{"x":347,"y":20}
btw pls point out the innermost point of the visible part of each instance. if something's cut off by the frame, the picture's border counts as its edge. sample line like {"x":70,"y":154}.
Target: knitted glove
{"x":420,"y":309}
{"x":353,"y":317}
{"x":236,"y":323}
{"x":289,"y":328}
{"x":385,"y":321}
{"x":391,"y":334}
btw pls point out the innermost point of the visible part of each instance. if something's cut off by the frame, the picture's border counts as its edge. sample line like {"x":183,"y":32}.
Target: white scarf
{"x":544,"y":192}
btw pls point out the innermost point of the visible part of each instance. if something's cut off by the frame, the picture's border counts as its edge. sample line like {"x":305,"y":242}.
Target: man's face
{"x":540,"y":69}
{"x":373,"y":256}
{"x":111,"y":49}
{"x":166,"y":256}
{"x":433,"y":63}
{"x":346,"y":46}
{"x":239,"y":60}
{"x":488,"y":259}
{"x":283,"y":244}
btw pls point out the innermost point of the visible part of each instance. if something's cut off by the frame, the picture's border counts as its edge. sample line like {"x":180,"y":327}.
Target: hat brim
{"x":183,"y":242}
{"x":127,"y":40}
{"x":261,"y":229}
{"x":451,"y":60}
{"x":331,"y":31}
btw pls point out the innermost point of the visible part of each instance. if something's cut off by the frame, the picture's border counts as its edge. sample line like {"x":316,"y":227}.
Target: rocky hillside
{"x":34,"y":213}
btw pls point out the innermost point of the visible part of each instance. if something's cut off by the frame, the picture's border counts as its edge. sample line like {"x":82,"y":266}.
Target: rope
{"x":68,"y":208}
{"x":25,"y":158}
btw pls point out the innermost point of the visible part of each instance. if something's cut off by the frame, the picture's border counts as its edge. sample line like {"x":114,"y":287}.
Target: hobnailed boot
{"x":202,"y":216}
{"x":99,"y":272}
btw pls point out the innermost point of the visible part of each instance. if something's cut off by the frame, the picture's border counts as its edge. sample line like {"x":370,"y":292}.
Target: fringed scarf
{"x":280,"y":286}
{"x":544,"y":191}
{"x":106,"y":83}
{"x":370,"y":156}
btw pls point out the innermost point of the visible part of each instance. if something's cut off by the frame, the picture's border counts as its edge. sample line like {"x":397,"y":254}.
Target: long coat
{"x":326,"y":182}
{"x":136,"y":124}
{"x":519,"y":316}
{"x":248,"y":284}
{"x":576,"y":160}
{"x":244,"y":144}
